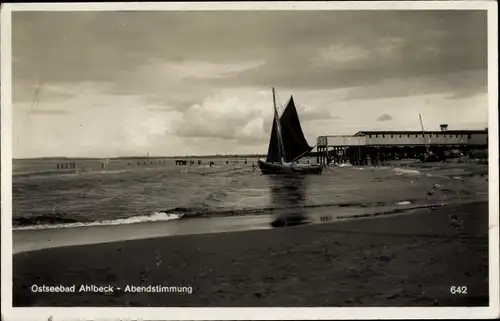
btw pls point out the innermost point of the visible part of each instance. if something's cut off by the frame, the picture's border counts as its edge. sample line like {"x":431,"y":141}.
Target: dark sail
{"x":294,"y":142}
{"x":273,"y":153}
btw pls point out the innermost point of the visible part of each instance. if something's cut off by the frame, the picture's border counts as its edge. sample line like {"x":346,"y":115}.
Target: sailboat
{"x":287,"y":144}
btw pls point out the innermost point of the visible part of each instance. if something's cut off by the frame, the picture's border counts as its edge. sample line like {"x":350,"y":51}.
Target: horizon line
{"x":131,"y":156}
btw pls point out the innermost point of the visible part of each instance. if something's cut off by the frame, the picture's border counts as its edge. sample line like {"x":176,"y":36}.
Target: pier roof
{"x":419,"y":132}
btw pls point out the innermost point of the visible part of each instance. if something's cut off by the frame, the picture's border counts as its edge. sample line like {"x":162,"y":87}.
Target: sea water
{"x":172,"y":199}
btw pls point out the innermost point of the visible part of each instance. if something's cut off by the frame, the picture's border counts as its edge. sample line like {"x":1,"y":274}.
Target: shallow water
{"x":126,"y":193}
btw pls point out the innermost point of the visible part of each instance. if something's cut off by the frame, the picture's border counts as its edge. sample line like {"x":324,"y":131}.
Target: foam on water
{"x":403,"y":171}
{"x":157,"y":216}
{"x":344,"y":165}
{"x":128,"y":196}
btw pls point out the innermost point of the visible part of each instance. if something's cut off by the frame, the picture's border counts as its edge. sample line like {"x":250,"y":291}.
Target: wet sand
{"x":400,"y":260}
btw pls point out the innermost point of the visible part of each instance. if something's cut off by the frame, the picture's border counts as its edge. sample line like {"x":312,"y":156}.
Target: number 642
{"x":462,"y":289}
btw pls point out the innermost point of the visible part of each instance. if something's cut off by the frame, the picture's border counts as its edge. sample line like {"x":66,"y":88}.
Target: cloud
{"x":356,"y":47}
{"x":384,"y":117}
{"x":100,"y":125}
{"x":315,"y":115}
{"x":199,"y":82}
{"x":240,"y":115}
{"x":204,"y":70}
{"x":48,"y":112}
{"x":161,"y":109}
{"x":337,"y":54}
{"x":456,"y":84}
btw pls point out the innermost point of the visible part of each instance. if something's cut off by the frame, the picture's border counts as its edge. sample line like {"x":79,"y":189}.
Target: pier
{"x":375,"y":147}
{"x":183,"y":162}
{"x":67,"y":165}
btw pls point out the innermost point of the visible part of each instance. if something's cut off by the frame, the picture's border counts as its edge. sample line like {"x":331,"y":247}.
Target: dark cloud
{"x":113,"y":46}
{"x":458,"y":84}
{"x":384,"y":117}
{"x":200,"y":81}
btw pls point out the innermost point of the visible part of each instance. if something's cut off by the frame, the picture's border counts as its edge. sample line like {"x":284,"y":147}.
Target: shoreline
{"x":392,"y":260}
{"x":58,"y":237}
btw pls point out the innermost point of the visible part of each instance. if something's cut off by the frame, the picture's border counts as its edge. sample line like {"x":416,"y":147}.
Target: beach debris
{"x":455,"y":223}
{"x":433,"y":189}
{"x":158,"y":259}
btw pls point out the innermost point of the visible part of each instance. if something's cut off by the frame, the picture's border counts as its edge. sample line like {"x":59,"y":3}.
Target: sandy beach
{"x":281,"y":155}
{"x":398,"y":260}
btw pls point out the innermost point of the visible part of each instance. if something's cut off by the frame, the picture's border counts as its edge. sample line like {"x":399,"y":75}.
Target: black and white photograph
{"x":250,"y":158}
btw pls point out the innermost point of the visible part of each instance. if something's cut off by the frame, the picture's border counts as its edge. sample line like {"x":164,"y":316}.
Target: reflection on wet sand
{"x":289,"y":191}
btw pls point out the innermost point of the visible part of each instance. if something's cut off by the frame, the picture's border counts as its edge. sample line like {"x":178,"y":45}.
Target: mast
{"x":278,"y":127}
{"x":423,"y":134}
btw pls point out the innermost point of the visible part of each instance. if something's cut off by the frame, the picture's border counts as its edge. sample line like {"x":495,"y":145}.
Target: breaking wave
{"x":47,"y":221}
{"x":56,"y":221}
{"x":344,"y":165}
{"x":404,"y":171}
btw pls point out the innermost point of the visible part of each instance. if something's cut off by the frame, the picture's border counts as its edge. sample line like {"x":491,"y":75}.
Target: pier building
{"x":374,"y":146}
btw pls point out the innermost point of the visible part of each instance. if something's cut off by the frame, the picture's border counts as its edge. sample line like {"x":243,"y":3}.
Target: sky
{"x":105,"y":84}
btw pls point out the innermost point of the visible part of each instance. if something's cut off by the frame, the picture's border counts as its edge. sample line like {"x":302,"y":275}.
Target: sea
{"x":77,"y":200}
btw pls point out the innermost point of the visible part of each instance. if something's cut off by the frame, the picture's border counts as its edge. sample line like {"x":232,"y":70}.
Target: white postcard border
{"x":10,"y":313}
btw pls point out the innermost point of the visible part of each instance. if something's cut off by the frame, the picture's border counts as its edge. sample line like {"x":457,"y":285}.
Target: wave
{"x":403,"y":171}
{"x":344,"y":165}
{"x":59,"y":222}
{"x":62,"y":221}
{"x":44,"y":219}
{"x":187,"y":212}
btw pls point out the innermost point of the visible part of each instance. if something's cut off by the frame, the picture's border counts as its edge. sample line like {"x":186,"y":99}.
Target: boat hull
{"x":275,"y":168}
